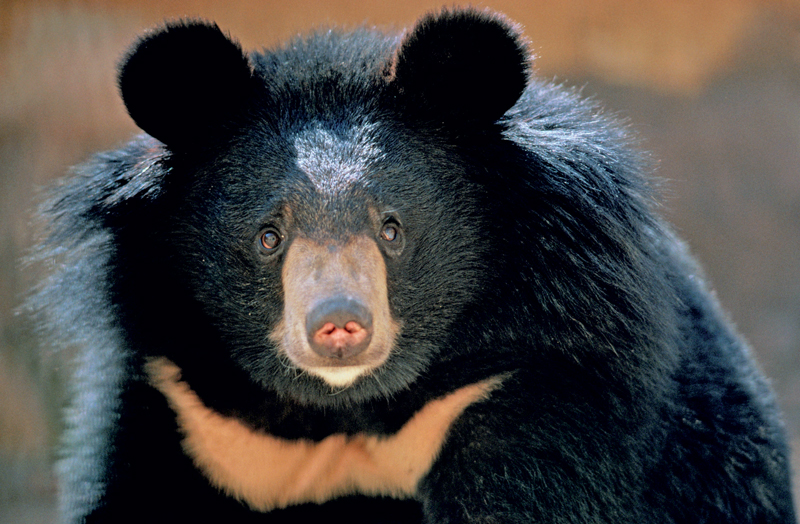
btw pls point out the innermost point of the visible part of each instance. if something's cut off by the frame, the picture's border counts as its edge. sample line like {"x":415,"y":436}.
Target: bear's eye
{"x":270,"y":240}
{"x":392,"y":238}
{"x":389,"y":232}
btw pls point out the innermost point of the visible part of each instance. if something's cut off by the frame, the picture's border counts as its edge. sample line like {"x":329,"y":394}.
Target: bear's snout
{"x":337,"y":324}
{"x":339,"y":327}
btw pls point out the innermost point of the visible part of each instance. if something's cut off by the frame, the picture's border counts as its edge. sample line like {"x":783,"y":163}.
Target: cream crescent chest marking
{"x":269,"y":472}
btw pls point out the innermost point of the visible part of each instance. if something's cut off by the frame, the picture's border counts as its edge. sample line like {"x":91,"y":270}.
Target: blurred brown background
{"x":711,"y":86}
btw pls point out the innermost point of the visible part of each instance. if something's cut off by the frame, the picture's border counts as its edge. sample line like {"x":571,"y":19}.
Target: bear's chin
{"x":339,"y":377}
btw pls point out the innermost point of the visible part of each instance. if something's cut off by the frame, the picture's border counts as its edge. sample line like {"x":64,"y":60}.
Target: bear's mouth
{"x":336,"y":323}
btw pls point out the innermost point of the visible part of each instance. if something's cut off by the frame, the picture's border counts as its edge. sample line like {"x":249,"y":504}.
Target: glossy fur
{"x":526,"y":249}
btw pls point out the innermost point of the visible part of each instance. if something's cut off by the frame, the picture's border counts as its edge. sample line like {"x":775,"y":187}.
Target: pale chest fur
{"x":269,"y":472}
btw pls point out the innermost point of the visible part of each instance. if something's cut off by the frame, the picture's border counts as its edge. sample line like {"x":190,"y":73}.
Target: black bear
{"x":377,"y":278}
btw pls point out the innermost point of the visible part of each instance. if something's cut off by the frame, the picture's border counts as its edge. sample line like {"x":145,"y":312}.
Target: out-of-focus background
{"x":712,"y":87}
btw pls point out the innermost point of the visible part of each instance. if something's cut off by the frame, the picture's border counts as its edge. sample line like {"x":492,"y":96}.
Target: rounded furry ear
{"x":183,"y":82}
{"x":461,"y":66}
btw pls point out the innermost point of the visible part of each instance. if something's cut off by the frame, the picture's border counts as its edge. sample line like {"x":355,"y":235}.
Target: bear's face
{"x":325,"y":262}
{"x":327,"y":227}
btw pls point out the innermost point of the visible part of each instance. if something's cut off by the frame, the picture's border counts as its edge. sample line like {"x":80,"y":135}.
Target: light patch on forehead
{"x":334,"y":162}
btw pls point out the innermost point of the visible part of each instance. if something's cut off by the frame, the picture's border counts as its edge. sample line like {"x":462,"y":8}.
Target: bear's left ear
{"x":184,"y":82}
{"x":461,"y":66}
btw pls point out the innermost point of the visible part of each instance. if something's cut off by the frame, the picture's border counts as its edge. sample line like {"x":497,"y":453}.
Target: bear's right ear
{"x":182,"y":83}
{"x":461,"y":67}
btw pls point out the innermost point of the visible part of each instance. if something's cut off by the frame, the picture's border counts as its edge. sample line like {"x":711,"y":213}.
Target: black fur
{"x":531,"y":252}
{"x":183,"y":83}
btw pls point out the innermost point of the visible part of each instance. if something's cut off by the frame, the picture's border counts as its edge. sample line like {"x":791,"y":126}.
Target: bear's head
{"x":319,"y":221}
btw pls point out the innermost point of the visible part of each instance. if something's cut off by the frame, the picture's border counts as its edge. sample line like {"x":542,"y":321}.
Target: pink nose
{"x":339,"y":328}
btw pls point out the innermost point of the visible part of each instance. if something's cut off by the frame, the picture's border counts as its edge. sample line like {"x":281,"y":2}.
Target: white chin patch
{"x":339,"y":377}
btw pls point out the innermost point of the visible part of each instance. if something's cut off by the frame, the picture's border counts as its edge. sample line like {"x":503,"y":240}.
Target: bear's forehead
{"x":335,"y":160}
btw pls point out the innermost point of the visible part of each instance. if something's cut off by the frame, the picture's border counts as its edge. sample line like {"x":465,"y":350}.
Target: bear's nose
{"x":340,"y":327}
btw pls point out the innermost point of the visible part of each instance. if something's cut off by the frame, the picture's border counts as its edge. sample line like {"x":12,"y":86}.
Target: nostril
{"x":339,"y":327}
{"x":327,"y":329}
{"x":353,"y":327}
